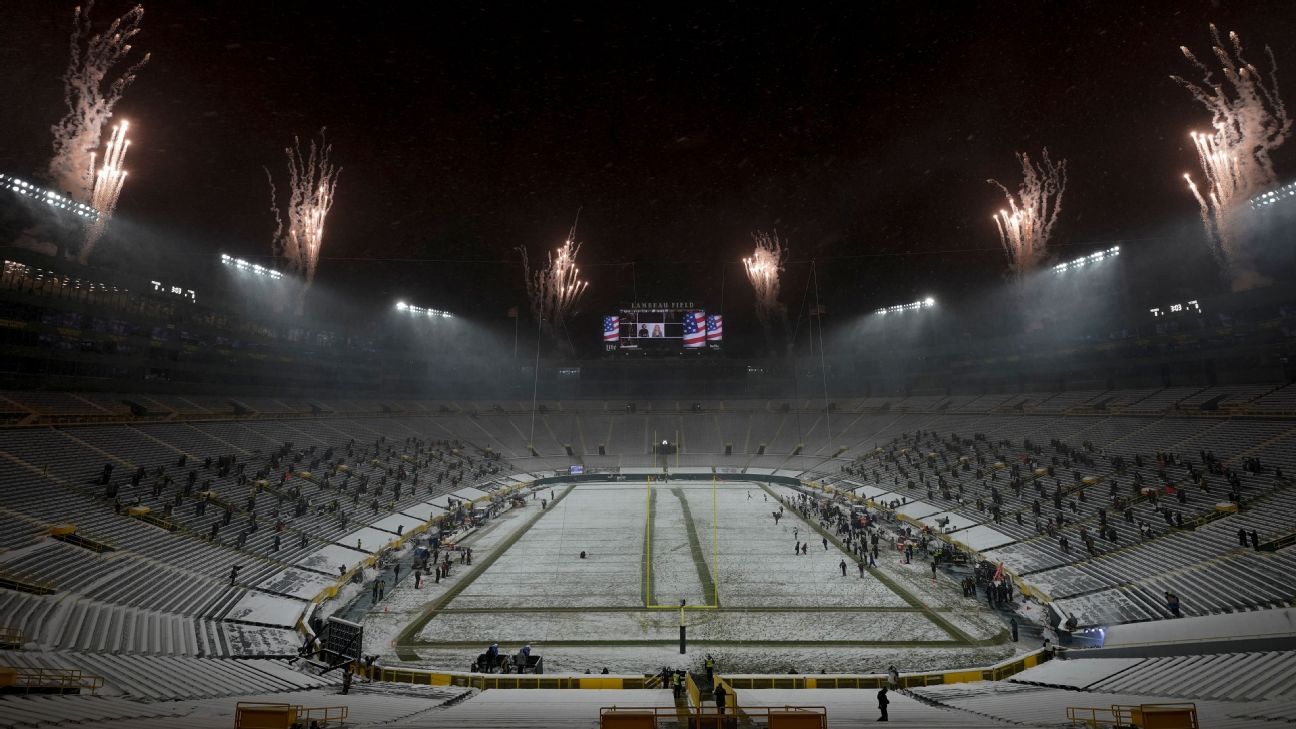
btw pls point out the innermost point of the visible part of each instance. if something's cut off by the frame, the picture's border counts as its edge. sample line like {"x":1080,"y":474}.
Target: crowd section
{"x":225,"y":515}
{"x":1128,"y":521}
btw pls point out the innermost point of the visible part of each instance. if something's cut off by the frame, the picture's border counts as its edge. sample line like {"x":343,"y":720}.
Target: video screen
{"x":662,"y":329}
{"x":664,"y":324}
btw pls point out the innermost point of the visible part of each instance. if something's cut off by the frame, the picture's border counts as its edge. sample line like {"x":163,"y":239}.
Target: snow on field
{"x":757,"y":567}
{"x":792,"y":625}
{"x":544,"y":568}
{"x":734,"y":659}
{"x":675,"y":575}
{"x":977,"y":624}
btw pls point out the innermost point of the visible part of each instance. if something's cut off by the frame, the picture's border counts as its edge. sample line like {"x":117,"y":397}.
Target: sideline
{"x":958,"y":636}
{"x":407,"y":638}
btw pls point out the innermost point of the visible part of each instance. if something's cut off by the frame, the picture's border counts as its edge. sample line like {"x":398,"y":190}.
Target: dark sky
{"x":468,"y":129}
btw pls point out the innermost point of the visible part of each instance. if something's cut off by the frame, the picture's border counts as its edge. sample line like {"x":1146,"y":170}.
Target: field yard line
{"x":695,"y":546}
{"x":743,"y":643}
{"x":750,"y":609}
{"x":646,"y":591}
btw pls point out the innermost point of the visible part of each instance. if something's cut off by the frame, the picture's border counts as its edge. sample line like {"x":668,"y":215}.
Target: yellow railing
{"x":694,"y":693}
{"x":1160,"y":716}
{"x":48,"y":680}
{"x":732,"y":684}
{"x":266,"y":715}
{"x":996,"y":672}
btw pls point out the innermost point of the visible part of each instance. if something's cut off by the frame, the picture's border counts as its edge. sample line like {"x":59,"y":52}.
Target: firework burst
{"x":1026,"y":225}
{"x":312,"y":180}
{"x":107,"y":187}
{"x":1249,"y":122}
{"x":764,"y":270}
{"x":90,"y":92}
{"x":554,"y":290}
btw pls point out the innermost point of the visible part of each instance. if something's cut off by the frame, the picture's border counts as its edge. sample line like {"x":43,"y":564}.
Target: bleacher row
{"x":1257,"y":399}
{"x":1192,"y":547}
{"x":1223,"y":676}
{"x":161,"y":585}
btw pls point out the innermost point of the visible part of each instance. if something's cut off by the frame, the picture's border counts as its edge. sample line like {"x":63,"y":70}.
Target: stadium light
{"x":1086,"y":260}
{"x":430,"y":313}
{"x":926,"y":303}
{"x":1265,"y":199}
{"x":49,"y":197}
{"x":1191,"y":306}
{"x":249,"y":267}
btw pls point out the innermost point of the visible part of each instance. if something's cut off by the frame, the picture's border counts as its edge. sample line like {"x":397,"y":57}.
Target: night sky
{"x":859,"y":132}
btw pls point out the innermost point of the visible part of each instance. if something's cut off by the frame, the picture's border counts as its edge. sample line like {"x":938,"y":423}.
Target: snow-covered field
{"x":757,"y":567}
{"x":544,"y":568}
{"x":776,"y":608}
{"x":789,"y":626}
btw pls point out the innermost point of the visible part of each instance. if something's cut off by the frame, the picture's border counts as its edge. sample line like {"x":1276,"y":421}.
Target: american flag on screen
{"x":611,"y":328}
{"x":715,"y":327}
{"x":694,"y":329}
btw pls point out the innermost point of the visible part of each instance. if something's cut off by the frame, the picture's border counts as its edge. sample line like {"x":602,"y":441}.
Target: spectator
{"x":1172,"y":604}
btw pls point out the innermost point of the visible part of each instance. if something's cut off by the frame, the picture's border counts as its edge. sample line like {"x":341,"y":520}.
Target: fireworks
{"x":1026,"y":225}
{"x":89,"y":101}
{"x":555,"y":289}
{"x":764,"y":268}
{"x":312,"y":178}
{"x":1250,"y":121}
{"x":107,"y":185}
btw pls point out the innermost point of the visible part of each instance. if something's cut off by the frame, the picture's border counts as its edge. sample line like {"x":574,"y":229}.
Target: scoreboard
{"x":662,"y":326}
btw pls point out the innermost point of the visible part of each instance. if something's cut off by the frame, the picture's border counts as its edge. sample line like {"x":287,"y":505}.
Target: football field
{"x":750,"y":599}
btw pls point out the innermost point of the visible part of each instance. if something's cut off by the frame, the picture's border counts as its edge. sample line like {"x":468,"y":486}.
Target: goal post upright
{"x":715,"y":546}
{"x":647,"y":568}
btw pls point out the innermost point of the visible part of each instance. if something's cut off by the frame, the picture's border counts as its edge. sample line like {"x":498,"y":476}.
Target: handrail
{"x":61,"y":680}
{"x":1097,"y":717}
{"x":994,"y":672}
{"x":24,"y":583}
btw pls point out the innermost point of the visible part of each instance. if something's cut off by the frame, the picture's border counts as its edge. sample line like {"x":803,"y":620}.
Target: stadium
{"x":369,"y":477}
